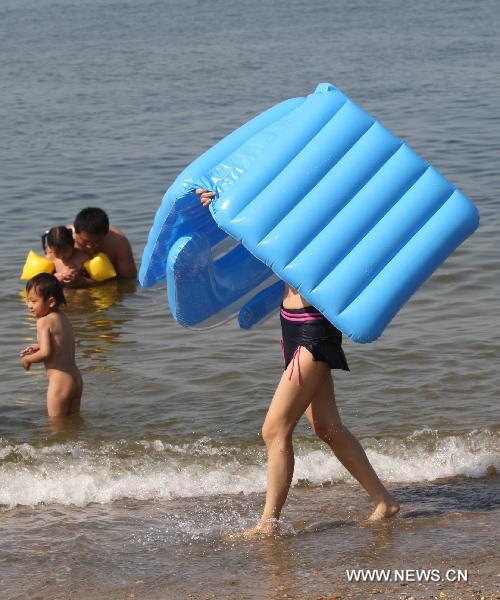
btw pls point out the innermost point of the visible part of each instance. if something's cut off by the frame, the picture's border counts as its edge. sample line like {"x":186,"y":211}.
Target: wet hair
{"x":92,"y":220}
{"x":58,"y":237}
{"x":46,"y":286}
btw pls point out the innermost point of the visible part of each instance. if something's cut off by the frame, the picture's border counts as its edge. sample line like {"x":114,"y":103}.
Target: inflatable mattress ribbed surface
{"x":319,"y":194}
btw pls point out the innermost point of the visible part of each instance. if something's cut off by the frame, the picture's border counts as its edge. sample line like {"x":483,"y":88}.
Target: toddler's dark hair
{"x":57,"y":237}
{"x":46,"y":286}
{"x":92,"y":220}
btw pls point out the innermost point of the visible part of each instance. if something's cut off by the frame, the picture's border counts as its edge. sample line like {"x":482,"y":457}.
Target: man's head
{"x":91,"y":226}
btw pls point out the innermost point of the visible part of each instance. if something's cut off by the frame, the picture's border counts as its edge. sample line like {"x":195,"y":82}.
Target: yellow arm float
{"x":100,"y":267}
{"x":36,"y":264}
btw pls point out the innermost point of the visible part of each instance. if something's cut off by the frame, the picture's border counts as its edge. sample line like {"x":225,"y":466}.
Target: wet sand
{"x":173,"y":550}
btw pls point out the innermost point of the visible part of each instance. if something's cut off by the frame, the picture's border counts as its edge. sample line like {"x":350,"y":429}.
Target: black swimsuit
{"x":307,"y":327}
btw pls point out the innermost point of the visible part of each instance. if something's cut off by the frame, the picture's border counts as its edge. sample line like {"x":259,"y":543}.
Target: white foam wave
{"x":423,"y":456}
{"x":76,"y":474}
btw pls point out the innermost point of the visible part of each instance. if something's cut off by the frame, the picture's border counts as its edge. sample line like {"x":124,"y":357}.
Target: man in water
{"x":93,"y":234}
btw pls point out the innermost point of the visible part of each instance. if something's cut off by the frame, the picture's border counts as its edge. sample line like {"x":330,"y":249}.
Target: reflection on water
{"x":99,"y":297}
{"x":97,"y":328}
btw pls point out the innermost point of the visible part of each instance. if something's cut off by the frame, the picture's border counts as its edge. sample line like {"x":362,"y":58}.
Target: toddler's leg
{"x":61,"y":391}
{"x":76,"y":400}
{"x":325,"y":420}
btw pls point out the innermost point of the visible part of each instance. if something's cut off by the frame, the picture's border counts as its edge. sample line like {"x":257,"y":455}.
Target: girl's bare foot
{"x":385,"y":509}
{"x":263,"y":529}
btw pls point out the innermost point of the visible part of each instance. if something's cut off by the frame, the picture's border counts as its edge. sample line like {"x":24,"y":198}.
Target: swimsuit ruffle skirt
{"x":306,"y":327}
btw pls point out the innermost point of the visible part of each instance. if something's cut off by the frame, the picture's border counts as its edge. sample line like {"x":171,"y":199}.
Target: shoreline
{"x":176,"y":549}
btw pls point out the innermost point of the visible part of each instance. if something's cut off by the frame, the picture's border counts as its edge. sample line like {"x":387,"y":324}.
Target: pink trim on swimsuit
{"x":301,"y":317}
{"x":296,"y":354}
{"x":298,"y":317}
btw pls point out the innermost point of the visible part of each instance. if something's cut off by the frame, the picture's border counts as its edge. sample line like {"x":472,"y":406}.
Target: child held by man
{"x":68,"y":260}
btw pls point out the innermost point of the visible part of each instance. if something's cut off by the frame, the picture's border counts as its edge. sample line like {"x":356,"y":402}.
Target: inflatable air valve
{"x":36,"y":264}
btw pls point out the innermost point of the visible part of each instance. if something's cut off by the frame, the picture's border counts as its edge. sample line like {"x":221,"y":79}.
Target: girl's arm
{"x":74,"y":277}
{"x":79,"y":280}
{"x":44,"y":346}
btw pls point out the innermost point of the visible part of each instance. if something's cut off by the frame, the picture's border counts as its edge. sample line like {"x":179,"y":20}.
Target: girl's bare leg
{"x":289,"y":402}
{"x":325,"y":420}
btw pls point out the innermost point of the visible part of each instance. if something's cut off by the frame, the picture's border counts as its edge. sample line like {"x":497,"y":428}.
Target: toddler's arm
{"x":29,"y":350}
{"x":44,"y":347}
{"x":73,"y":277}
{"x":65,"y":274}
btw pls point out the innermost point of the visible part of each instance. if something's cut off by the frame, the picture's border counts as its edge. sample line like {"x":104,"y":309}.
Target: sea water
{"x":103,"y":102}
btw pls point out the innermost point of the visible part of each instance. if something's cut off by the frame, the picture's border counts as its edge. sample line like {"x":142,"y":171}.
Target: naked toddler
{"x":55,"y":347}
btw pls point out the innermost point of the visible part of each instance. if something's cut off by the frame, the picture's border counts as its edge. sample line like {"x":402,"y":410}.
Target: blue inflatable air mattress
{"x":314,"y":192}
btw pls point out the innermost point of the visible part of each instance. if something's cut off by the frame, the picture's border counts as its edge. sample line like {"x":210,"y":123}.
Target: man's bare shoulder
{"x":116,"y":233}
{"x":119,"y":250}
{"x":116,"y":239}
